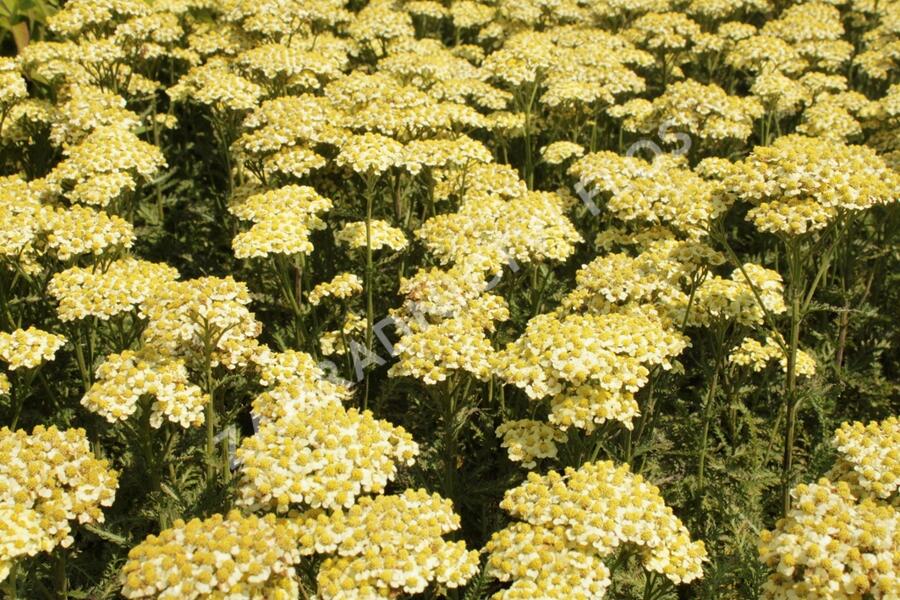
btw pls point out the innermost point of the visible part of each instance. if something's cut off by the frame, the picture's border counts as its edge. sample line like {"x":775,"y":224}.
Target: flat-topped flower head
{"x":718,"y":299}
{"x":21,"y":536}
{"x":800,"y":184}
{"x":661,"y":192}
{"x":341,"y":287}
{"x":370,"y":154}
{"x":323,"y":457}
{"x":123,"y":379}
{"x":527,"y":441}
{"x":295,"y":383}
{"x":78,"y":230}
{"x":54,"y":474}
{"x":283,"y":220}
{"x":832,"y":546}
{"x":559,"y":152}
{"x":29,"y":348}
{"x":103,"y":166}
{"x":382,"y":234}
{"x":232,"y":556}
{"x":217,"y":86}
{"x":198,"y":317}
{"x":488,"y":233}
{"x":125,"y":283}
{"x":386,"y":546}
{"x":591,"y":364}
{"x":568,"y":522}
{"x":869,"y":458}
{"x":757,"y":356}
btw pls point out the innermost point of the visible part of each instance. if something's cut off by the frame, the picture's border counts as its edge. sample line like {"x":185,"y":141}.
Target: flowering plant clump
{"x":466,"y":299}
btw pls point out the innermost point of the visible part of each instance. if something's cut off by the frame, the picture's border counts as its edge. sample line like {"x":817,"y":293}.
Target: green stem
{"x":9,"y":584}
{"x":529,"y":159}
{"x":707,"y":417}
{"x":146,"y":436}
{"x":370,"y":277}
{"x":160,"y":210}
{"x":60,"y":580}
{"x":791,"y":400}
{"x":211,"y":460}
{"x":769,"y":318}
{"x":450,"y":443}
{"x":718,"y":347}
{"x":82,"y":364}
{"x":18,"y":400}
{"x":299,"y":264}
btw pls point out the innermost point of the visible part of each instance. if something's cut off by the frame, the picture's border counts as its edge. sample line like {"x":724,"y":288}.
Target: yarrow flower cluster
{"x":324,"y":456}
{"x":29,"y":348}
{"x":649,"y":193}
{"x":104,"y":166}
{"x":444,"y":323}
{"x":569,"y":522}
{"x":231,"y":556}
{"x":590,"y":365}
{"x":196,"y":318}
{"x":735,"y":298}
{"x":751,"y":353}
{"x":50,"y":478}
{"x":296,"y":383}
{"x":488,"y":232}
{"x":801,"y":184}
{"x":832,"y":546}
{"x":282,"y":221}
{"x":527,"y":441}
{"x":388,"y":545}
{"x":342,"y":286}
{"x":457,"y":129}
{"x":381,"y":235}
{"x":869,"y":458}
{"x":104,"y":293}
{"x":123,"y":379}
